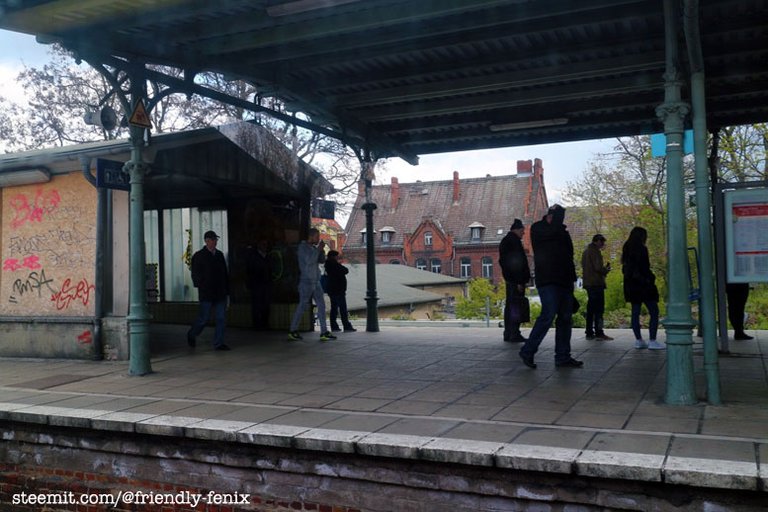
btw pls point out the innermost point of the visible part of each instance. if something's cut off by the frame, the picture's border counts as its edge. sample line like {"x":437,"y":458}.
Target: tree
{"x":474,"y":305}
{"x":62,"y":91}
{"x":742,"y":153}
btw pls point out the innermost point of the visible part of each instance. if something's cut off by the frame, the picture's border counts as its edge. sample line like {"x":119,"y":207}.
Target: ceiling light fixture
{"x":541,"y":123}
{"x":300,"y":6}
{"x":24,"y":177}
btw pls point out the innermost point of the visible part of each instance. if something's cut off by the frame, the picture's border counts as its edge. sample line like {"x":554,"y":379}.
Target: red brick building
{"x":449,"y":227}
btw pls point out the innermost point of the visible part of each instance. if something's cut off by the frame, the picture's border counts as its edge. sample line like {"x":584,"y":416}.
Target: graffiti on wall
{"x":48,"y":248}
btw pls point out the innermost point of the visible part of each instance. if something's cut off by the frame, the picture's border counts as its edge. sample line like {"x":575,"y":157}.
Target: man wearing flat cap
{"x":210,"y":277}
{"x":514,"y":268}
{"x":555,"y":278}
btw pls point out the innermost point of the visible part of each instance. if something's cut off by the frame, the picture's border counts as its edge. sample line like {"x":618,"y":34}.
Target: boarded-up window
{"x":48,"y":248}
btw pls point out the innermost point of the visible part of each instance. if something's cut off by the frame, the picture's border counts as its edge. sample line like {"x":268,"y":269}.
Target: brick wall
{"x":37,"y":458}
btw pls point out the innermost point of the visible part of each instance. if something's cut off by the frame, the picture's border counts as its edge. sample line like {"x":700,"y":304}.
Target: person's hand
{"x":521,"y":287}
{"x":608,"y":266}
{"x":321,"y":244}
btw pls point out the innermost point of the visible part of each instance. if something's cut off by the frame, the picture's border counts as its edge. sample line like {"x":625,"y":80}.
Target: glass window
{"x":466,"y":267}
{"x":475,"y":233}
{"x":428,"y":238}
{"x":421,"y":264}
{"x":487,"y":267}
{"x":436,"y":266}
{"x":386,"y":237}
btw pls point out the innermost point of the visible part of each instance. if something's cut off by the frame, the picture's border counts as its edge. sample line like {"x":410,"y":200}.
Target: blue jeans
{"x":653,"y":323}
{"x":220,"y":309}
{"x":307,"y":291}
{"x":556,"y":301}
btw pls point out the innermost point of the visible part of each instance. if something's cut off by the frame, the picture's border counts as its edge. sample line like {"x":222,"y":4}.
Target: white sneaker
{"x":655,"y":345}
{"x":641,"y":344}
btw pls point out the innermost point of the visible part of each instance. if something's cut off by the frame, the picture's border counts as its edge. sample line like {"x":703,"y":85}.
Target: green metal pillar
{"x":138,"y":313}
{"x":679,"y":321}
{"x":703,"y":203}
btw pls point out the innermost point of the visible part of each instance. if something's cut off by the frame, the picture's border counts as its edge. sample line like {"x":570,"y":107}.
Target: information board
{"x":746,"y":235}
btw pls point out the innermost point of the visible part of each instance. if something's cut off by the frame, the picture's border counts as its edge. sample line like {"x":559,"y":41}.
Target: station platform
{"x":451,"y":394}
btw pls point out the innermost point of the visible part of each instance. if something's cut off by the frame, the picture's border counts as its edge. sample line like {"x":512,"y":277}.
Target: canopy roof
{"x":412,"y":77}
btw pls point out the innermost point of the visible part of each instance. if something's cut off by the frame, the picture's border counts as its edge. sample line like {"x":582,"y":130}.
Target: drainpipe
{"x":703,"y":200}
{"x":101,"y":215}
{"x":679,"y":322}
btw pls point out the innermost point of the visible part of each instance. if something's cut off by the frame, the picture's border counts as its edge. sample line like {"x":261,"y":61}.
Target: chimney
{"x":395,"y":194}
{"x":456,"y":192}
{"x":538,"y":169}
{"x":524,"y":166}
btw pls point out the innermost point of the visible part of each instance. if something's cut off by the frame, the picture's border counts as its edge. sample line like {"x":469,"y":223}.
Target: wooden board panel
{"x":48,"y":248}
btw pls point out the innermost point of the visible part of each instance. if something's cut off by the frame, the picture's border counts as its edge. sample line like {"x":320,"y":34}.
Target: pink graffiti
{"x":30,"y":262}
{"x":85,"y":337}
{"x":69,"y":293}
{"x":42,"y":204}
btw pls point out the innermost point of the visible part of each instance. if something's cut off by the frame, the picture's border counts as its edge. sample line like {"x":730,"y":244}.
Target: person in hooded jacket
{"x":640,"y":287}
{"x":555,"y":275}
{"x":336,"y":288}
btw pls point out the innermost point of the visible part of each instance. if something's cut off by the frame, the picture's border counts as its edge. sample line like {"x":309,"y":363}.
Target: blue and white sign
{"x":110,"y":174}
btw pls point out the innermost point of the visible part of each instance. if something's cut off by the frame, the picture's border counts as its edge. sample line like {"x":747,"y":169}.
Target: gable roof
{"x":396,"y":285}
{"x":493,"y":201}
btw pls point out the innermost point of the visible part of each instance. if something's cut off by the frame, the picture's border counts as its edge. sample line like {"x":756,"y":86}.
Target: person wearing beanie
{"x":514,"y":267}
{"x":555,"y":275}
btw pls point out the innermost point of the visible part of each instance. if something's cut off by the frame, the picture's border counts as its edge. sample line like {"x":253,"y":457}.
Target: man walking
{"x":310,"y":254}
{"x":555,"y":275}
{"x":514,"y":268}
{"x":594,"y":273}
{"x":210,"y":277}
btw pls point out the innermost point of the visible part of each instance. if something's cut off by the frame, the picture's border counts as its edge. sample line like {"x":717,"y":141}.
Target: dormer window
{"x":476,"y":231}
{"x":387,"y":234}
{"x":428,"y":238}
{"x":363,"y":240}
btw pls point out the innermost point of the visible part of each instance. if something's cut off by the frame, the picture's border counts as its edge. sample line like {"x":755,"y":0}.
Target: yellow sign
{"x":139,"y":117}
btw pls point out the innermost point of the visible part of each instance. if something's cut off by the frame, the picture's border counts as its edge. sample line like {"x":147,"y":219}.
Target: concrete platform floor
{"x":423,"y":384}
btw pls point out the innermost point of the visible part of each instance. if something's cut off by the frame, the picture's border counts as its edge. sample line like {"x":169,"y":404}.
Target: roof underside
{"x":406,"y":78}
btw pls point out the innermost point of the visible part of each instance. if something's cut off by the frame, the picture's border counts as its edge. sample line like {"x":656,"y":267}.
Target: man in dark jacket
{"x":555,"y":276}
{"x":336,"y":288}
{"x":514,"y":268}
{"x":593,"y":275}
{"x":210,"y":277}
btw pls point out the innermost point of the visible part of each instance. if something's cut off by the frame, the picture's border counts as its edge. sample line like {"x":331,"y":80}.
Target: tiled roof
{"x":493,"y":201}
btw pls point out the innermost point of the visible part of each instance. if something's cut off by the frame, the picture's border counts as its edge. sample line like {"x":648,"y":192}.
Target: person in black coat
{"x":336,"y":288}
{"x":210,"y":277}
{"x":514,"y":268}
{"x":555,"y":278}
{"x":259,"y":282}
{"x":640,"y":287}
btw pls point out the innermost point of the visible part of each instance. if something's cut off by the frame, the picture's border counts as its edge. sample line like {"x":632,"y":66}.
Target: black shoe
{"x":570,"y":363}
{"x":191,"y":340}
{"x":528,"y":361}
{"x":742,"y":336}
{"x":589,"y":337}
{"x":516,"y":339}
{"x":335,"y":329}
{"x":221,"y":347}
{"x":350,"y":329}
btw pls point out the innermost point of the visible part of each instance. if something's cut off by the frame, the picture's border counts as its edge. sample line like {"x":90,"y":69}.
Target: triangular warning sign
{"x":139,"y":117}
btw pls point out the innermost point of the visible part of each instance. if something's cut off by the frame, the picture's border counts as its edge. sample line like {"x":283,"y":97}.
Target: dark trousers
{"x":737,"y":293}
{"x":556,"y":301}
{"x":339,"y":307}
{"x":511,"y":329}
{"x":260,"y":298}
{"x":595,"y":310}
{"x":220,"y":312}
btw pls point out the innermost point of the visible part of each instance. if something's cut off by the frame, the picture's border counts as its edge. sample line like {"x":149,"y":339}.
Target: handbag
{"x":519,"y":310}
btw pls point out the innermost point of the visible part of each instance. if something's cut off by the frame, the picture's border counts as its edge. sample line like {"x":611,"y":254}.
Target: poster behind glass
{"x":746,"y":235}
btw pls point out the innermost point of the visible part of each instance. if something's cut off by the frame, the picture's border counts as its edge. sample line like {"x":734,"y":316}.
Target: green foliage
{"x":757,"y":308}
{"x":403,"y":315}
{"x":473,"y":306}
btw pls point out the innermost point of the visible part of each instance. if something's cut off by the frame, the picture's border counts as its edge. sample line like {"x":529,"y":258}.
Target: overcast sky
{"x":562,"y":162}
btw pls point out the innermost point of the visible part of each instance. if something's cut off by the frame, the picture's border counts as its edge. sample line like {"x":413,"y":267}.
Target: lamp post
{"x":371,"y":298}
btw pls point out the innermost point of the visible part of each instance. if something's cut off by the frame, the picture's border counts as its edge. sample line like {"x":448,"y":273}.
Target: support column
{"x":138,"y":312}
{"x":371,"y":298}
{"x":679,"y":321}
